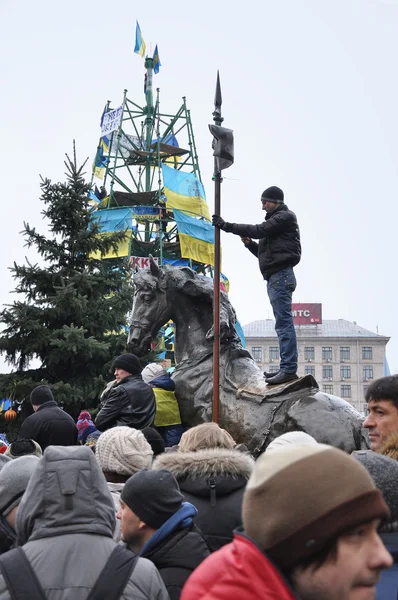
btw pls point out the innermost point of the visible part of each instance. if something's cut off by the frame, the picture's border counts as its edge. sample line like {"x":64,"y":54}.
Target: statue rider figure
{"x":278,"y":251}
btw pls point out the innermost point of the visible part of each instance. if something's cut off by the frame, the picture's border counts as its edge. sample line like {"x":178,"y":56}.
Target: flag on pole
{"x":156,"y":61}
{"x":140,"y":45}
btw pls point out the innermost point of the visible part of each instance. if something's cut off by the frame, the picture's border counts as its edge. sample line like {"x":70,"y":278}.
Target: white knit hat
{"x":151,"y":371}
{"x":296,"y":438}
{"x":123,"y":450}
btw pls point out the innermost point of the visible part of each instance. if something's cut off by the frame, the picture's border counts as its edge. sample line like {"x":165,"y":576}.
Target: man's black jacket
{"x":130,"y":402}
{"x":279,"y":246}
{"x":50,"y":425}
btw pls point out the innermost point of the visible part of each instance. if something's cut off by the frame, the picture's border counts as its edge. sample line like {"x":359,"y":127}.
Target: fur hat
{"x":40,"y":395}
{"x":151,"y":371}
{"x":298,"y":438}
{"x":390,"y":446}
{"x":14,"y":478}
{"x":384,"y":472}
{"x":273,"y":194}
{"x":23,"y":448}
{"x":154,"y":496}
{"x":123,"y":450}
{"x":128,"y":362}
{"x":299,"y":498}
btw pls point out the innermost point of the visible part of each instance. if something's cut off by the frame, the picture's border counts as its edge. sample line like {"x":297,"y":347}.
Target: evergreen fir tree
{"x":72,"y":307}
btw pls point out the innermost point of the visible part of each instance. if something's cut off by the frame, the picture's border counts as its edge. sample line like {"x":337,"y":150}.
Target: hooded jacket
{"x":65,"y":523}
{"x":239,"y":571}
{"x":49,"y":425}
{"x":130,"y":402}
{"x":279,"y":246}
{"x":213,"y":480}
{"x":176,"y":549}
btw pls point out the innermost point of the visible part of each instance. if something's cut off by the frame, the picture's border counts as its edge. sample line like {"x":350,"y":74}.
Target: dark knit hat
{"x":40,"y":395}
{"x":128,"y":362}
{"x":154,"y":439}
{"x":273,"y":194}
{"x":23,"y":447}
{"x":300,"y":498}
{"x":384,"y":472}
{"x":154,"y":496}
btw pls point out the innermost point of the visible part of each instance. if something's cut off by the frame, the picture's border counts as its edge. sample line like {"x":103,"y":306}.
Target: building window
{"x":257,"y":353}
{"x":273,"y":369}
{"x":346,"y":391}
{"x":344,"y":353}
{"x":274,"y":353}
{"x":327,"y":372}
{"x":309,"y":370}
{"x":368,"y":372}
{"x":327,"y":353}
{"x":309,"y":353}
{"x":345,"y":372}
{"x":367,"y":352}
{"x":328,"y":389}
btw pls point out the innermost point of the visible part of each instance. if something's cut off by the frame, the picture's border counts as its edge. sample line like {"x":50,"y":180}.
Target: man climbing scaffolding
{"x":278,"y":251}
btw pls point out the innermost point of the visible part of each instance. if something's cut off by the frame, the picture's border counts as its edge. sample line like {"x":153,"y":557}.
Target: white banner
{"x":111,"y":121}
{"x":142,"y":262}
{"x":125,"y":144}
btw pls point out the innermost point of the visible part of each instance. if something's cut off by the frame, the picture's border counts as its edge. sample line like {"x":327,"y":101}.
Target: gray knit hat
{"x":384,"y":472}
{"x":297,"y":438}
{"x":151,"y":371}
{"x":14,"y":478}
{"x":123,"y":450}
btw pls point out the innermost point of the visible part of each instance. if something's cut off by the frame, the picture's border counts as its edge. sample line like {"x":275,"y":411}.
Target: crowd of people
{"x":129,"y":505}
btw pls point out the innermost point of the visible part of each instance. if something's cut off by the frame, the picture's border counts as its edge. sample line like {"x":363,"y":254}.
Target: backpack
{"x":22,"y":581}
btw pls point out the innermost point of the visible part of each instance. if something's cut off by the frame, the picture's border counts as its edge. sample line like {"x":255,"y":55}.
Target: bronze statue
{"x":252,"y":412}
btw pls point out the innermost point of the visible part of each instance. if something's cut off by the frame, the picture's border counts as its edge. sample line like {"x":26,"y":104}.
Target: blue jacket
{"x":387,"y":588}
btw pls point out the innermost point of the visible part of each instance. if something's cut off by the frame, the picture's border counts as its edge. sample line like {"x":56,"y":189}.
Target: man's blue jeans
{"x":280,"y":288}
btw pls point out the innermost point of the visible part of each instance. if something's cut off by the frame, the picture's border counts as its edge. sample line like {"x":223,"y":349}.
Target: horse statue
{"x":253,"y":412}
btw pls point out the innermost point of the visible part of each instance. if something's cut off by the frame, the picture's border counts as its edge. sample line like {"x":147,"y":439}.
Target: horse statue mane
{"x":253,"y":412}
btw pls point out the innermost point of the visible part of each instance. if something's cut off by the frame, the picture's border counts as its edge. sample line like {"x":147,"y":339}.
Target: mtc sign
{"x":307,"y":314}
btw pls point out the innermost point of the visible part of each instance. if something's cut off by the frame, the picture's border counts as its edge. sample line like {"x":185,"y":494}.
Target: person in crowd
{"x":90,"y":438}
{"x":4,"y":443}
{"x":65,"y":523}
{"x":384,"y":472}
{"x":49,"y":424}
{"x":167,"y":418}
{"x":130,"y":401}
{"x":121,"y":452}
{"x":155,"y":440}
{"x":84,"y":422}
{"x":212,"y":475}
{"x":158,"y":525}
{"x":310,"y":516}
{"x":23,"y":447}
{"x":14,"y":478}
{"x":382,"y":420}
{"x":278,"y":251}
{"x":297,"y":438}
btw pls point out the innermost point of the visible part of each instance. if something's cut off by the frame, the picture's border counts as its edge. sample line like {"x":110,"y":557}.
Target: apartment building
{"x":343,"y":357}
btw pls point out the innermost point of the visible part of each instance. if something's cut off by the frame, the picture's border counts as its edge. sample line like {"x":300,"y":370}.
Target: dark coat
{"x":279,"y":246}
{"x":177,"y":556}
{"x":50,"y":425}
{"x":387,"y":588}
{"x":8,"y":536}
{"x":214,"y":481}
{"x":131,"y":402}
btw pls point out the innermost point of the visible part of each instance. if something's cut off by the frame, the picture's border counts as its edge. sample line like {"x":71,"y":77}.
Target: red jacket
{"x":238,"y":571}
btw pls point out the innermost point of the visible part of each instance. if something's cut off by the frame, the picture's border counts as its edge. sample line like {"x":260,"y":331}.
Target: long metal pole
{"x":217,"y":118}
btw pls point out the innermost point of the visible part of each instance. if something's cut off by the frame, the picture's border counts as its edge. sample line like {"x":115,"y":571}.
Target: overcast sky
{"x":309,"y":88}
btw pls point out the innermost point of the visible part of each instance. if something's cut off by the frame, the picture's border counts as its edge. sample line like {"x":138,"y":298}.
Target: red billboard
{"x":307,"y":314}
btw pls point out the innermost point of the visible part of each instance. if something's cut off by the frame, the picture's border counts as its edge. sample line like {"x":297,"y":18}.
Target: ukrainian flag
{"x":140,"y":45}
{"x":109,"y":221}
{"x":196,"y":238}
{"x":184,"y":192}
{"x":101,"y":161}
{"x":156,"y":61}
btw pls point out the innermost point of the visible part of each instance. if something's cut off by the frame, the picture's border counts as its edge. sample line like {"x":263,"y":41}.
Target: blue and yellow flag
{"x":101,"y":161}
{"x":156,"y":61}
{"x":184,"y":192}
{"x":140,"y":45}
{"x":196,"y":238}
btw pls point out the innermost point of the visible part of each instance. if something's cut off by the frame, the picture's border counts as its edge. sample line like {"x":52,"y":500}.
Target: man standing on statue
{"x":278,"y":251}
